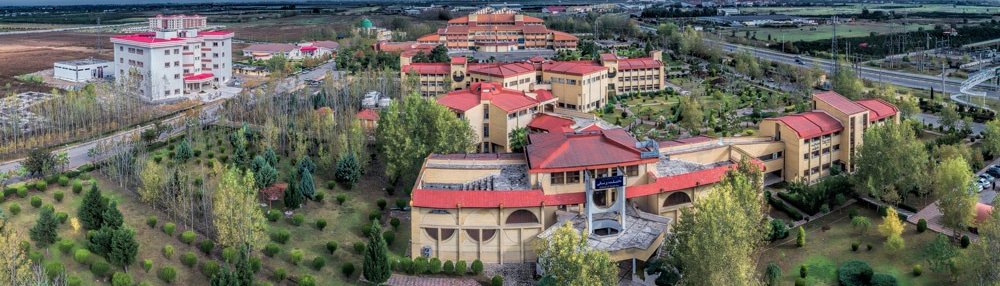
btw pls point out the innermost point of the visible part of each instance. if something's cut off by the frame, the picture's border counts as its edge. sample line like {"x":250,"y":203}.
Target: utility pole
{"x":833,"y":45}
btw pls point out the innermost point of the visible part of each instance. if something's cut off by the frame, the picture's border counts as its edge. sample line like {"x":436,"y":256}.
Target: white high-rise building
{"x":170,"y":65}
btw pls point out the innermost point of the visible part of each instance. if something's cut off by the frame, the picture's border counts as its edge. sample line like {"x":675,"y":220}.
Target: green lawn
{"x":825,"y":32}
{"x":857,"y":9}
{"x":826,"y":250}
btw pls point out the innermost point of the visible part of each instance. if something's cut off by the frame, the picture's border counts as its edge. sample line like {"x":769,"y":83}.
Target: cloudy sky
{"x":92,"y":2}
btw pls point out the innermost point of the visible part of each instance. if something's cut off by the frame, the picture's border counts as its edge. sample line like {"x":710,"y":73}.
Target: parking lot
{"x":988,"y":193}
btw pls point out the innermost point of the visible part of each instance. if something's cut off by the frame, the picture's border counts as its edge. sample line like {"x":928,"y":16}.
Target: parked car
{"x":993,"y":172}
{"x":986,"y":177}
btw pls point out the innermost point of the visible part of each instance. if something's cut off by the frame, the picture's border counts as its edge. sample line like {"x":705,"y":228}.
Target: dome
{"x":366,"y":23}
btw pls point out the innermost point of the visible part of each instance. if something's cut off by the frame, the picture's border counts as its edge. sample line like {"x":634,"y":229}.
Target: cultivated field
{"x":28,"y":53}
{"x":854,"y":9}
{"x":825,"y":32}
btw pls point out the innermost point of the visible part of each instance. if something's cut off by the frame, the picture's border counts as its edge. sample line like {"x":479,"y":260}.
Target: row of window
{"x":131,"y":50}
{"x":648,"y":87}
{"x":176,"y":91}
{"x":826,"y":151}
{"x":816,"y":139}
{"x":638,"y":78}
{"x":815,"y":170}
{"x":573,"y":177}
{"x":531,"y":110}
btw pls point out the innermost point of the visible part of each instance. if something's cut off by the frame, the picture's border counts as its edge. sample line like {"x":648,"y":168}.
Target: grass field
{"x":825,"y":32}
{"x":826,"y":250}
{"x":855,"y":9}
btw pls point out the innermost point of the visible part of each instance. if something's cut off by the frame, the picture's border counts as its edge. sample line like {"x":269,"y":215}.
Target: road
{"x":78,"y":153}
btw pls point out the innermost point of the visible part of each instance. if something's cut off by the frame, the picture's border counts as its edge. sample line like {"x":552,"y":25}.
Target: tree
{"x":890,"y":163}
{"x":307,"y":187}
{"x":892,"y":228}
{"x":439,"y":55}
{"x":940,"y":253}
{"x":184,"y":152}
{"x":237,"y":218}
{"x":348,"y":170}
{"x":420,"y":57}
{"x":566,"y":259}
{"x":306,"y":164}
{"x":800,"y":237}
{"x":718,"y":244}
{"x":39,"y":161}
{"x":92,"y":208}
{"x":123,"y":248}
{"x":150,"y":191}
{"x":271,"y":157}
{"x":266,"y":176}
{"x":44,"y":232}
{"x":691,"y":114}
{"x":293,"y":197}
{"x":862,"y":224}
{"x":846,"y":83}
{"x":112,"y":217}
{"x":15,"y":267}
{"x":61,"y":159}
{"x":376,"y":265}
{"x":773,"y":274}
{"x":948,"y":117}
{"x":981,"y":261}
{"x":956,"y":201}
{"x":991,"y":137}
{"x":518,"y":139}
{"x":239,"y":142}
{"x":413,"y":129}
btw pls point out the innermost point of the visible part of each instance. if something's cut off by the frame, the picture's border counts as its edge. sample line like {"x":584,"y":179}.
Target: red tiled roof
{"x":608,"y":57}
{"x":459,"y":60}
{"x":536,"y":59}
{"x":878,"y":108}
{"x":427,"y":68}
{"x":811,"y":124}
{"x":535,"y":29}
{"x":507,"y":99}
{"x":502,"y":70}
{"x":563,"y":36}
{"x":592,"y":128}
{"x":639,"y":63}
{"x":679,"y":182}
{"x":839,"y":102}
{"x":543,"y":95}
{"x":308,"y":48}
{"x":429,"y":38}
{"x":367,"y":114}
{"x":551,"y":123}
{"x":270,"y":47}
{"x":678,"y":142}
{"x":199,"y":76}
{"x":557,"y":151}
{"x":573,"y":67}
{"x":326,"y":44}
{"x":983,"y":212}
{"x":146,"y":38}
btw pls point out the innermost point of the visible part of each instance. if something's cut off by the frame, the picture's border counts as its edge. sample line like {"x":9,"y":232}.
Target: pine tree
{"x":92,"y":209}
{"x":243,"y":273}
{"x":112,"y":217}
{"x":44,"y":233}
{"x":123,"y":247}
{"x":349,"y":170}
{"x":240,"y":155}
{"x":257,"y":163}
{"x":305,"y":164}
{"x":100,"y":241}
{"x":376,"y":264}
{"x":266,"y":176}
{"x":271,"y":158}
{"x":184,"y":152}
{"x":224,"y":278}
{"x":293,"y":198}
{"x":307,"y":187}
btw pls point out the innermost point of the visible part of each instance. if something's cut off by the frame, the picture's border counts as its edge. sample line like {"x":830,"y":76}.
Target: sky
{"x":98,"y":2}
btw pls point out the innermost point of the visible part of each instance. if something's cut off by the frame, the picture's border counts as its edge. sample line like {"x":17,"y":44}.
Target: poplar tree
{"x":237,"y":218}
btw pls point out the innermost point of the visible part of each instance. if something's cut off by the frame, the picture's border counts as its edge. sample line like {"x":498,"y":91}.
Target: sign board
{"x":609,"y":182}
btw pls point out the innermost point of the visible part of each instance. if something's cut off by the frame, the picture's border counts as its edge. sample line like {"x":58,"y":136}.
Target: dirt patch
{"x":28,"y":53}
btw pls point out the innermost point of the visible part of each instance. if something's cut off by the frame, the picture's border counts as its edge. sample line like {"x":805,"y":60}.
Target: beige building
{"x":494,"y":112}
{"x":499,"y":30}
{"x":623,"y":191}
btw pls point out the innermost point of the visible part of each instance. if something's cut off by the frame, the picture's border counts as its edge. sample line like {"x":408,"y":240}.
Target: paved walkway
{"x":933,"y":217}
{"x":406,"y":280}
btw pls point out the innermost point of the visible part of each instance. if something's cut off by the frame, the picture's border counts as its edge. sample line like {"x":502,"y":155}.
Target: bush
{"x":282,"y":236}
{"x":41,"y":186}
{"x":271,"y":249}
{"x":255,"y":264}
{"x":81,"y":256}
{"x":359,"y":247}
{"x":779,"y":229}
{"x":400,"y":204}
{"x":62,"y":217}
{"x":279,"y":275}
{"x":206,"y":246}
{"x":77,"y":186}
{"x":321,"y":224}
{"x":298,"y":219}
{"x":189,"y":259}
{"x":855,"y":245}
{"x":331,"y":185}
{"x":855,"y":273}
{"x":121,"y":279}
{"x":55,"y":269}
{"x":100,"y":268}
{"x":319,"y":196}
{"x":921,"y":226}
{"x":394,"y":222}
{"x":373,"y":215}
{"x":167,"y":274}
{"x":778,"y":204}
{"x":197,"y":153}
{"x":22,"y":192}
{"x":497,"y":280}
{"x":381,"y":204}
{"x":168,"y":251}
{"x":347,"y":268}
{"x":420,"y":265}
{"x":65,"y":245}
{"x":58,"y":195}
{"x":187,"y":237}
{"x":825,"y":208}
{"x":295,"y":257}
{"x":73,"y":280}
{"x":799,"y":281}
{"x":15,"y":208}
{"x":800,"y":240}
{"x":477,"y":267}
{"x":869,"y":247}
{"x":210,"y":268}
{"x":229,"y":255}
{"x":63,"y":181}
{"x":36,"y":256}
{"x":147,"y":265}
{"x":318,"y":263}
{"x":461,"y":267}
{"x":169,"y":228}
{"x":965,"y":241}
{"x":883,"y":279}
{"x":341,"y":198}
{"x":273,"y":215}
{"x":449,"y":267}
{"x":151,"y":222}
{"x":36,"y":202}
{"x":157,"y":159}
{"x":331,"y":246}
{"x":918,"y":270}
{"x":434,"y":266}
{"x":804,"y":271}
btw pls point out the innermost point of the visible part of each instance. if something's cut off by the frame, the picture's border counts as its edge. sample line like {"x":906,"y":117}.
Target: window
{"x":166,"y":65}
{"x":487,"y":234}
{"x":805,"y":173}
{"x":826,"y":166}
{"x":177,"y":63}
{"x":836,"y":147}
{"x":826,"y":150}
{"x":815,"y":170}
{"x":177,"y":51}
{"x":486,"y":111}
{"x":166,"y":92}
{"x":522,"y":216}
{"x":558,"y":178}
{"x":177,"y":91}
{"x":486,"y":131}
{"x":677,"y":198}
{"x":166,"y":52}
{"x":121,"y":60}
{"x":177,"y":76}
{"x":805,"y":156}
{"x":573,"y":177}
{"x":815,"y":154}
{"x":631,"y":171}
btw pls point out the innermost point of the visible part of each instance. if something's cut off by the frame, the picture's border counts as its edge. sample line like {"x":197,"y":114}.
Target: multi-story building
{"x":177,"y":22}
{"x":499,"y":30}
{"x":494,"y":112}
{"x":168,"y":65}
{"x":622,"y":191}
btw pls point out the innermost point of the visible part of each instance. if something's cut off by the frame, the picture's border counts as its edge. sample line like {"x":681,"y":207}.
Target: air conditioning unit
{"x":426,"y":251}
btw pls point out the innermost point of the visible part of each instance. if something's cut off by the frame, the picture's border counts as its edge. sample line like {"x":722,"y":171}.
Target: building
{"x":623,"y":191}
{"x":494,"y":111}
{"x":177,"y":22}
{"x":554,"y":9}
{"x":499,"y":30}
{"x":291,"y":51}
{"x":582,"y":86}
{"x":82,"y":70}
{"x":368,"y":29}
{"x":728,"y":11}
{"x":248,"y":70}
{"x":172,"y":64}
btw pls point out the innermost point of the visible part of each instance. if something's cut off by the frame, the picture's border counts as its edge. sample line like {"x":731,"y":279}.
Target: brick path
{"x":405,"y":280}
{"x":933,"y":217}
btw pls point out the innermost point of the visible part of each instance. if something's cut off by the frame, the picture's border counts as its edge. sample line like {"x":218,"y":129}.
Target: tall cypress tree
{"x":91,"y":211}
{"x":44,"y":233}
{"x":293,"y":198}
{"x":224,"y":278}
{"x":123,"y":247}
{"x":112,"y":217}
{"x":271,"y":158}
{"x":307,"y":187}
{"x":376,"y":265}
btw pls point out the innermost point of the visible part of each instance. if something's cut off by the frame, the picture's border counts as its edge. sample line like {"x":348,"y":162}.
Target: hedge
{"x":778,"y":204}
{"x":855,"y":273}
{"x":798,"y":203}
